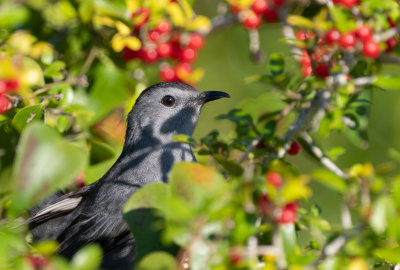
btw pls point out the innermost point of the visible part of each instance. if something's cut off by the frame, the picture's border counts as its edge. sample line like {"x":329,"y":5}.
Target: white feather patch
{"x":61,"y":206}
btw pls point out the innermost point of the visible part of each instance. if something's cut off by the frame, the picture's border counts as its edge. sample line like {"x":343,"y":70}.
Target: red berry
{"x":164,"y":50}
{"x":348,"y":40}
{"x":371,"y":49}
{"x":337,"y":1}
{"x":288,"y":213}
{"x":3,"y":87}
{"x":128,"y":54}
{"x":294,"y":149}
{"x":154,"y":35}
{"x":167,"y":74}
{"x":349,"y":3}
{"x":148,"y":55}
{"x":252,"y":21}
{"x":164,"y":26}
{"x":391,"y":22}
{"x":37,"y":262}
{"x":364,"y":32}
{"x":304,"y":35}
{"x":12,"y":84}
{"x":264,"y":205}
{"x":332,"y":36}
{"x":259,"y":6}
{"x":235,"y":9}
{"x":5,"y":104}
{"x":322,"y":70}
{"x":274,"y":179}
{"x":188,"y":54}
{"x":278,"y":2}
{"x":271,"y":15}
{"x":390,"y":44}
{"x":196,"y":41}
{"x":235,"y":258}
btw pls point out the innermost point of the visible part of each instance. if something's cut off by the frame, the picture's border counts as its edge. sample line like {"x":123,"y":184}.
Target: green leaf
{"x":295,"y":189}
{"x":382,"y":212}
{"x":342,"y":19}
{"x":108,"y":91}
{"x":12,"y":15}
{"x":157,"y":261}
{"x":27,"y":115}
{"x":88,"y":258}
{"x":390,"y":255}
{"x":44,"y":162}
{"x":153,"y":195}
{"x":388,"y":82}
{"x":288,"y":235}
{"x":63,"y":122}
{"x":330,"y":180}
{"x":148,"y":227}
{"x":205,"y":181}
{"x":86,"y":9}
{"x":299,"y":21}
{"x":230,"y":165}
{"x":183,"y":138}
{"x":54,"y":70}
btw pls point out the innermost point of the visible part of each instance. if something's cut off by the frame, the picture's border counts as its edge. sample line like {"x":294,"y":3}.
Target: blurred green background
{"x":227,"y":63}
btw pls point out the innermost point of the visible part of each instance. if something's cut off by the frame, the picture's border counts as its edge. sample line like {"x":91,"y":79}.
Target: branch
{"x":321,"y":156}
{"x":285,"y":111}
{"x":306,"y":115}
{"x":288,"y":33}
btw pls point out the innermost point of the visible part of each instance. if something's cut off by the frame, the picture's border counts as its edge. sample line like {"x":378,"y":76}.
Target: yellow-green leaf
{"x":299,"y":21}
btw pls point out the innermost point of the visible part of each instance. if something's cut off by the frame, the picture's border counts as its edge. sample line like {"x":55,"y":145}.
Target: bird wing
{"x":59,"y":206}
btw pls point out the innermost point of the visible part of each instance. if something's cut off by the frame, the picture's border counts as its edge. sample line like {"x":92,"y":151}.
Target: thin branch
{"x":306,"y":115}
{"x":89,"y":61}
{"x":285,"y":111}
{"x":321,"y":156}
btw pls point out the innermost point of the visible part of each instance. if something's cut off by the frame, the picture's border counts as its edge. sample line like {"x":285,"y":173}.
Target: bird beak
{"x":213,"y":95}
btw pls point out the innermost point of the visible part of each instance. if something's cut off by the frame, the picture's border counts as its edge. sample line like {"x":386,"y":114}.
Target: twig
{"x":221,"y":21}
{"x":306,"y":115}
{"x":285,"y":111}
{"x":388,"y":34}
{"x":321,"y":156}
{"x":89,"y":61}
{"x":288,"y":33}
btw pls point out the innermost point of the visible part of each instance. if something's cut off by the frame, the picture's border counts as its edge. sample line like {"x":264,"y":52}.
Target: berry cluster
{"x":321,"y":60}
{"x":283,"y":215}
{"x":162,"y":42}
{"x":251,"y":16}
{"x":7,"y":86}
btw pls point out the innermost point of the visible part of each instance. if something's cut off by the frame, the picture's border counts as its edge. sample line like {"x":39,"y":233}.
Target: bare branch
{"x":321,"y":156}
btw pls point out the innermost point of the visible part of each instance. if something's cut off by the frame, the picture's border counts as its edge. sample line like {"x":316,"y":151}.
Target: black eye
{"x":168,"y":101}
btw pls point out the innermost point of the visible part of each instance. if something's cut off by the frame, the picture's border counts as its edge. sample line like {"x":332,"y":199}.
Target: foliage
{"x":71,"y":70}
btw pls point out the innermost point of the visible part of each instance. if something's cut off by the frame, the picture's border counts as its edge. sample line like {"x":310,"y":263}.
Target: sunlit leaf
{"x":157,"y":261}
{"x":330,"y":179}
{"x":87,"y":258}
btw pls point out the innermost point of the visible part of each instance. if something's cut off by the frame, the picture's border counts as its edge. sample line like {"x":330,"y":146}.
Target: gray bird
{"x":94,"y":212}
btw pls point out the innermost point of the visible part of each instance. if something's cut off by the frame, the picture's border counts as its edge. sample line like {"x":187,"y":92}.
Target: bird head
{"x":166,"y":109}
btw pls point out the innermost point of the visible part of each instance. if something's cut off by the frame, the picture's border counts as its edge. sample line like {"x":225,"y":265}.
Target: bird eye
{"x":168,"y":101}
